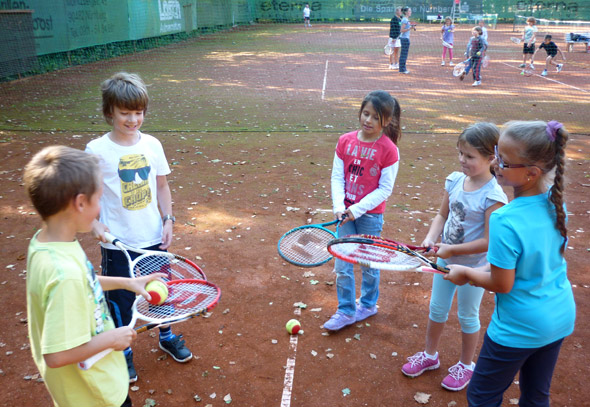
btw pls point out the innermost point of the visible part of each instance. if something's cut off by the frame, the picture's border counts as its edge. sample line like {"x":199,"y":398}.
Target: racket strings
{"x":184,"y":298}
{"x":306,"y":245}
{"x":175,"y":268}
{"x":372,"y":253}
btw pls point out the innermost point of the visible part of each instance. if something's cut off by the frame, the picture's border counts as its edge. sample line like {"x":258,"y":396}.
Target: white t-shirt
{"x":129,"y":203}
{"x":466,"y":220}
{"x":306,"y":12}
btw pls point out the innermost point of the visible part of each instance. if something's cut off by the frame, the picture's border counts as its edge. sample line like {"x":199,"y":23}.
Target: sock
{"x":433,"y":357}
{"x":166,"y":334}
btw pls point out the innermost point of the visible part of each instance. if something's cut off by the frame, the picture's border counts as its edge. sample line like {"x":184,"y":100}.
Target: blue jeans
{"x":468,"y":301}
{"x":404,"y":54}
{"x":368,"y":224}
{"x":497,"y":365}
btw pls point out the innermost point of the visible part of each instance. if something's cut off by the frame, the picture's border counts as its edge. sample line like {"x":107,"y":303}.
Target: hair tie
{"x":552,"y":128}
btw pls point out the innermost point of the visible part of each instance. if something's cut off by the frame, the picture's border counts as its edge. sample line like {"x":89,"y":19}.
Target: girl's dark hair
{"x":483,"y":137}
{"x":546,"y":154}
{"x":387,"y":107}
{"x":405,"y":10}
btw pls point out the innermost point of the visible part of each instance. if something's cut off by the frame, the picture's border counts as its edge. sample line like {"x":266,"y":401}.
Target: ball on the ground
{"x":158,"y":291}
{"x":293,"y":326}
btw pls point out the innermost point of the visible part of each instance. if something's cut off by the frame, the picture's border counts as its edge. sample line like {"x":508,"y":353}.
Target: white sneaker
{"x":476,"y":83}
{"x":544,"y":73}
{"x":392,"y":66}
{"x":451,"y":64}
{"x":559,"y":67}
{"x":442,"y":63}
{"x":395,"y":66}
{"x":406,"y":72}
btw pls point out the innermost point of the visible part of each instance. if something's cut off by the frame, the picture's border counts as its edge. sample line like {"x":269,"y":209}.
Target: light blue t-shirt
{"x":466,"y":220}
{"x":405,"y":25}
{"x":540,"y":308}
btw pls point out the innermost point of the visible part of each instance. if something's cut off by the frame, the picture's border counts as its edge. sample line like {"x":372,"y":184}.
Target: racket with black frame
{"x":378,"y":253}
{"x":305,"y":246}
{"x":186,"y":299}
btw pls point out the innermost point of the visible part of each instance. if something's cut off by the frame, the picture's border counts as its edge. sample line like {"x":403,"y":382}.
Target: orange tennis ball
{"x":293,"y":326}
{"x":158,"y":291}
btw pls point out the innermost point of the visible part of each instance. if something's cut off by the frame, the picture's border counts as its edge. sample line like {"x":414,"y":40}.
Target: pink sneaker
{"x":458,"y":378}
{"x":418,"y":364}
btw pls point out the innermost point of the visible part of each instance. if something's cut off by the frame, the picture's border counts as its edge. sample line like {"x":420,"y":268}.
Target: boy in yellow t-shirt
{"x":68,"y":317}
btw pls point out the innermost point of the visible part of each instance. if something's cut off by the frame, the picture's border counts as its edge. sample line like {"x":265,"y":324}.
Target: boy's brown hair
{"x":125,"y":91}
{"x":531,"y":20}
{"x":57,"y":174}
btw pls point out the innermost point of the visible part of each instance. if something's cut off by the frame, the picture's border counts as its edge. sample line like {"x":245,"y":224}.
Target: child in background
{"x":475,"y":52}
{"x":484,"y":30}
{"x":394,"y":33}
{"x":470,"y":196}
{"x":68,"y":319}
{"x":306,"y":15}
{"x":552,"y":49}
{"x":535,"y":307}
{"x":529,"y":37}
{"x":447,"y":35}
{"x":136,"y":195}
{"x":405,"y":27}
{"x":365,"y":166}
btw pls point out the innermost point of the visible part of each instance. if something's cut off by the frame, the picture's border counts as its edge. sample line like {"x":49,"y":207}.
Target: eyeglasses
{"x":503,"y":165}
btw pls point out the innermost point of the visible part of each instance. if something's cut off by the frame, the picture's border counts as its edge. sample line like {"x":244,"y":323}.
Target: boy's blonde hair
{"x":57,"y":174}
{"x":125,"y":91}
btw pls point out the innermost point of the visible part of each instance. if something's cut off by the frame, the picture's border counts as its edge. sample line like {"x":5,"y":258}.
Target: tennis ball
{"x":158,"y":291}
{"x":293,"y":326}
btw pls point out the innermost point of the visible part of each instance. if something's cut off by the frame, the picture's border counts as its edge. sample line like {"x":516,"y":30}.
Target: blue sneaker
{"x":364,"y":313}
{"x":338,"y":321}
{"x":175,"y":348}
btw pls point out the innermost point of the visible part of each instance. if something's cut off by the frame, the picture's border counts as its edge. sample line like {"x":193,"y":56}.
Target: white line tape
{"x":290,"y":370}
{"x":325,"y":79}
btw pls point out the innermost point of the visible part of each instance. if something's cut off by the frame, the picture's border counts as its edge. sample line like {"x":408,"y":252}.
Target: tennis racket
{"x":459,"y":69}
{"x":152,"y":261}
{"x":186,"y":299}
{"x":388,"y":49}
{"x":383,"y":254}
{"x":485,"y":61}
{"x":305,"y":246}
{"x":516,"y":40}
{"x":446,"y":44}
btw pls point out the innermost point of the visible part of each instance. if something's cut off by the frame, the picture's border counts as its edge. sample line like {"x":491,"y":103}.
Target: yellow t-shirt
{"x":66,"y":308}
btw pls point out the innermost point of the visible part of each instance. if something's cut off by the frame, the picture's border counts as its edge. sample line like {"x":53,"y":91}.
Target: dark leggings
{"x":497,"y":366}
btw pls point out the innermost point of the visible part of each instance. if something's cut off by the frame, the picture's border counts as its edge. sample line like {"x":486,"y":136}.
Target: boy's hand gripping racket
{"x":382,"y":254}
{"x":305,"y":246}
{"x":152,"y":261}
{"x":186,"y":299}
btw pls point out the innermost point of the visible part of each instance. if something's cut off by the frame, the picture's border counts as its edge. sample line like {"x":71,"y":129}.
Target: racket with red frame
{"x":186,"y":299}
{"x":383,"y":254}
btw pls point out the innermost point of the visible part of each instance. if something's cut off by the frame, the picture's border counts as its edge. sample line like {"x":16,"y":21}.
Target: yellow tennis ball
{"x":158,"y":291}
{"x":293,"y":326}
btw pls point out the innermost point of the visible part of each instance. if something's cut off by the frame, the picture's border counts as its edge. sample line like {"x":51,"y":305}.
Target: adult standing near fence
{"x":394,"y":33}
{"x":405,"y":39}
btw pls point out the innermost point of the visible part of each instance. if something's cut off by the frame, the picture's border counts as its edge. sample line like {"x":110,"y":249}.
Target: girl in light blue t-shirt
{"x":535,"y":307}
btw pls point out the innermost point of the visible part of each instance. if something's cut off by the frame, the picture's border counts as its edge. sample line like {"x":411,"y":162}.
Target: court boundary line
{"x":550,"y":79}
{"x":290,"y":368}
{"x":325,"y":79}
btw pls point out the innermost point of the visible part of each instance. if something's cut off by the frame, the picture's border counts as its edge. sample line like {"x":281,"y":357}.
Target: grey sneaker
{"x":521,"y":65}
{"x":338,"y":321}
{"x":544,"y":73}
{"x":559,"y":67}
{"x":363,"y":313}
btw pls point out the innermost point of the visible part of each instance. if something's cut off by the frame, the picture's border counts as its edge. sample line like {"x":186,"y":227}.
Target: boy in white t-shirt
{"x":136,"y":203}
{"x":306,"y":15}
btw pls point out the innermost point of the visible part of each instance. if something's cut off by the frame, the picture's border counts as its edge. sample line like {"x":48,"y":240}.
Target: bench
{"x":570,"y":43}
{"x":433,"y":19}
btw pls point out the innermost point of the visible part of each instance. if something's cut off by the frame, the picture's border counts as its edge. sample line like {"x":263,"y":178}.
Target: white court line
{"x":549,"y":79}
{"x":325,"y":80}
{"x":290,"y":370}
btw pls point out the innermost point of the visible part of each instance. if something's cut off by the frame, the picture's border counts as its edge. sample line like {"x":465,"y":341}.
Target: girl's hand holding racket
{"x":457,"y":274}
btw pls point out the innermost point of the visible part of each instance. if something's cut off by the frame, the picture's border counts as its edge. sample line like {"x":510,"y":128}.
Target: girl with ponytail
{"x":365,"y":166}
{"x":535,"y":307}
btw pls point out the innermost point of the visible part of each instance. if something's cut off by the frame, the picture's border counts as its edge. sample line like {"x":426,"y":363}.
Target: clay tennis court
{"x":249,"y":120}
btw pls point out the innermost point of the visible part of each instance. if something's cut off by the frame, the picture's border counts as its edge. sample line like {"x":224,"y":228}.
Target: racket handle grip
{"x":110,"y":238}
{"x":88,"y":363}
